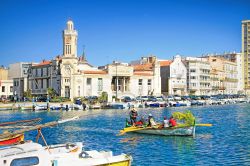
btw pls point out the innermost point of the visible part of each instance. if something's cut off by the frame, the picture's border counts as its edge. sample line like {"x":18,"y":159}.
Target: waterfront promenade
{"x":225,"y":143}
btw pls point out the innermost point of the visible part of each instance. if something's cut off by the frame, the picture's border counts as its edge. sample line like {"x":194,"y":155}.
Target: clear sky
{"x":124,"y":30}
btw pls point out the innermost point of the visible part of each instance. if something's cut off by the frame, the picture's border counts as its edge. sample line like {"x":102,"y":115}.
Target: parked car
{"x":127,"y":99}
{"x":42,"y":99}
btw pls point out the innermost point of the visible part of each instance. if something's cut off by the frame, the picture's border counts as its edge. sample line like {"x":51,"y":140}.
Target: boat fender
{"x":84,"y":155}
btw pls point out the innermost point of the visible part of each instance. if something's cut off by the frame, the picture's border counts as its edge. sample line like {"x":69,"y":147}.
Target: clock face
{"x":67,"y":39}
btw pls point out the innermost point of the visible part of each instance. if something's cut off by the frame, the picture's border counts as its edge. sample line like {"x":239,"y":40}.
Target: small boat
{"x":170,"y":131}
{"x":32,"y":153}
{"x":41,"y":107}
{"x":187,"y":128}
{"x":12,"y":140}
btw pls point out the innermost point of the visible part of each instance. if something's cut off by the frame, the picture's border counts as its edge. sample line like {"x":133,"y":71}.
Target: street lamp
{"x":116,"y":82}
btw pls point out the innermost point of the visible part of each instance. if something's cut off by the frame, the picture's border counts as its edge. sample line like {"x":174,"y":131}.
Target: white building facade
{"x":19,"y":73}
{"x":198,"y":76}
{"x":174,"y":77}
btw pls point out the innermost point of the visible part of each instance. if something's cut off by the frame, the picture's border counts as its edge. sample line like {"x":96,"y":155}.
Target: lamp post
{"x":116,"y":82}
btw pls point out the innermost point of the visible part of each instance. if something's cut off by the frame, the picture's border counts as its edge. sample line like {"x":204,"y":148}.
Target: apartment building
{"x":6,"y":84}
{"x":223,"y":75}
{"x":246,"y":54}
{"x":198,"y":76}
{"x":18,"y":72}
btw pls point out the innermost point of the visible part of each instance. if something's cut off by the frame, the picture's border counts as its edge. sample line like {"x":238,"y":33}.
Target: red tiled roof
{"x":165,"y":63}
{"x":43,"y":63}
{"x":143,"y":67}
{"x":94,"y":72}
{"x":143,"y":73}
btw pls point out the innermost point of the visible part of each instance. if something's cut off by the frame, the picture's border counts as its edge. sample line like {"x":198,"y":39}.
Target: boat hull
{"x":181,"y":131}
{"x":12,"y":140}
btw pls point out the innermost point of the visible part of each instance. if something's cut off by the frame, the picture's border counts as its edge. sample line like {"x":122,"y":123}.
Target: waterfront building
{"x":18,"y":72}
{"x":223,"y":75}
{"x":6,"y":84}
{"x":44,"y":75}
{"x":72,"y":76}
{"x":238,"y":59}
{"x":173,"y":77}
{"x":146,"y":78}
{"x":198,"y":76}
{"x":246,"y":54}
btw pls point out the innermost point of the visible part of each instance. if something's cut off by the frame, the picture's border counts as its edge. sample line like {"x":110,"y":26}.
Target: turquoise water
{"x":227,"y":142}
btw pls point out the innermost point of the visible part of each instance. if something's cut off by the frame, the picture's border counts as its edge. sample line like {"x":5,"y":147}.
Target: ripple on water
{"x":225,"y":143}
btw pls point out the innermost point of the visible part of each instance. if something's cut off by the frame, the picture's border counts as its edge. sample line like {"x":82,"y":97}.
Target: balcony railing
{"x":39,"y":91}
{"x":222,"y":88}
{"x":215,"y":87}
{"x":179,"y":86}
{"x":231,"y":79}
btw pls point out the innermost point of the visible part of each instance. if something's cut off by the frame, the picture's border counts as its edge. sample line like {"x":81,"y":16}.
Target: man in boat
{"x":172,"y":122}
{"x":133,"y":115}
{"x":151,"y":121}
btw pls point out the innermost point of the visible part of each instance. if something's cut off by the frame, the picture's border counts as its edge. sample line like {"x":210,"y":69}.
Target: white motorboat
{"x":31,"y":153}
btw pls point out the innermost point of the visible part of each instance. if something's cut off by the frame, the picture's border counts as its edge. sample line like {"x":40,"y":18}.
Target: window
{"x":140,"y":82}
{"x":79,"y":91}
{"x":41,"y":71}
{"x":25,"y":161}
{"x":149,"y":82}
{"x":192,"y":70}
{"x":88,"y":81}
{"x":42,"y":83}
{"x":3,"y":88}
{"x":11,"y":88}
{"x":193,"y":77}
{"x":100,"y":84}
{"x":47,"y":83}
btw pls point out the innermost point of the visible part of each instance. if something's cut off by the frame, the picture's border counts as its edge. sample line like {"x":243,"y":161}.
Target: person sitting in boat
{"x":172,"y":122}
{"x":133,"y":115}
{"x":140,"y":122}
{"x":151,"y":121}
{"x":165,"y":122}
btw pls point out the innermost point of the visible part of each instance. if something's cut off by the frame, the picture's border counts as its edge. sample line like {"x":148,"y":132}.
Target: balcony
{"x":222,"y":88}
{"x":176,"y":86}
{"x":215,"y":87}
{"x":214,"y":79}
{"x":39,"y":91}
{"x":231,"y":79}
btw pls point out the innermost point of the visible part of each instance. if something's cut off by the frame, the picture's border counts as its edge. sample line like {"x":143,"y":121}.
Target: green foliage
{"x":52,"y":92}
{"x":103,"y":98}
{"x":186,"y":116}
{"x":59,"y":99}
{"x":27,"y":93}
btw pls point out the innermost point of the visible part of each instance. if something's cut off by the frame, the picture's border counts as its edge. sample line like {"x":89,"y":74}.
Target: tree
{"x":104,"y":97}
{"x":27,"y":93}
{"x":51,"y":92}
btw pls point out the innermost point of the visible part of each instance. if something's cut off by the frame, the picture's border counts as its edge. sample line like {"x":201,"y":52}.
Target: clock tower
{"x":70,"y":41}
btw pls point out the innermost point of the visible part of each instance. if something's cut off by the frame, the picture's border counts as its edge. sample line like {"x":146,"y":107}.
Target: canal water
{"x":227,"y":142}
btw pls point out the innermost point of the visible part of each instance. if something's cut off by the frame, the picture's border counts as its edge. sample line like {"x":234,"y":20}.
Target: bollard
{"x":33,"y":107}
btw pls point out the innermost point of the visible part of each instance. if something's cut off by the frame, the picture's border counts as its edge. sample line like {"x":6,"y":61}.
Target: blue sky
{"x":124,"y":30}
